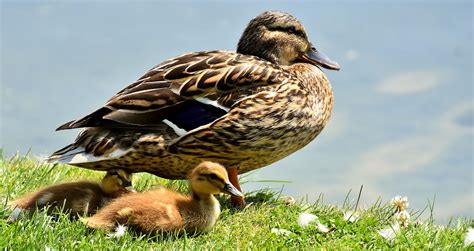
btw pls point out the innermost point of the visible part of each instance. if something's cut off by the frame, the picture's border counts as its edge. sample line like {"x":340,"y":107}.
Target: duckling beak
{"x":315,"y":57}
{"x":230,"y":189}
{"x":128,"y":185}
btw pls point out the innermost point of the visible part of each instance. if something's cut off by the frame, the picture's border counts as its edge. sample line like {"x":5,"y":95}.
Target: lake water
{"x":403,"y":118}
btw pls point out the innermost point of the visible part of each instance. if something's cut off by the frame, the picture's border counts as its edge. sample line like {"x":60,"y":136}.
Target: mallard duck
{"x":77,"y":198}
{"x":244,"y":109}
{"x":164,"y":211}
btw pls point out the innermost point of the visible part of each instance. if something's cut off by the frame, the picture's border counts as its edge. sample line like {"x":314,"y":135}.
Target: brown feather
{"x":160,"y":92}
{"x":77,"y":198}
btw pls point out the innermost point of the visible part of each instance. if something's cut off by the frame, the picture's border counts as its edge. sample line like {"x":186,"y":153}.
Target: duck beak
{"x":230,"y":189}
{"x":314,"y":57}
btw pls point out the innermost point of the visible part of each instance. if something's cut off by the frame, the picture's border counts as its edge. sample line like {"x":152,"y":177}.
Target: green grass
{"x":244,"y":229}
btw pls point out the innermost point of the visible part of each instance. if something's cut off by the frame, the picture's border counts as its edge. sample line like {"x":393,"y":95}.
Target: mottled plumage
{"x":244,"y":109}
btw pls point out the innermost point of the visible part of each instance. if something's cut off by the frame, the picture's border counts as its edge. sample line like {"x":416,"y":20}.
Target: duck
{"x":164,"y":211}
{"x":75,"y":198}
{"x":244,"y":109}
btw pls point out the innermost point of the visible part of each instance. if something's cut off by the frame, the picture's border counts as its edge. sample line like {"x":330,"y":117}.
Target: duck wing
{"x":184,"y":90}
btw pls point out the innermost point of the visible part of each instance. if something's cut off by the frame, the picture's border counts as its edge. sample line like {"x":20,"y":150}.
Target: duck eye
{"x":213,"y":176}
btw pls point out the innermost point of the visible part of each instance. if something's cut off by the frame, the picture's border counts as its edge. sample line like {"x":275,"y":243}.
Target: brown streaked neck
{"x":309,"y":75}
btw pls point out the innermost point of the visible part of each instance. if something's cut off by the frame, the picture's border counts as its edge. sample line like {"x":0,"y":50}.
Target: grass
{"x":250,"y":228}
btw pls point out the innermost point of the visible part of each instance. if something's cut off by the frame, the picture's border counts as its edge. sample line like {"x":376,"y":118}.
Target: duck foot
{"x":236,"y":202}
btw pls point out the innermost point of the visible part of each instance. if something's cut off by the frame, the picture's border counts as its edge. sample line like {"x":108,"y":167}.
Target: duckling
{"x":77,"y":198}
{"x":165,"y":211}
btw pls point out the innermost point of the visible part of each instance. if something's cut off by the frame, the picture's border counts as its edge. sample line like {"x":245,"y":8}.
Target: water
{"x":403,"y":118}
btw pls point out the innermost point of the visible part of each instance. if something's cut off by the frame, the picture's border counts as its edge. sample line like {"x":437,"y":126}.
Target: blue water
{"x":403,"y":117}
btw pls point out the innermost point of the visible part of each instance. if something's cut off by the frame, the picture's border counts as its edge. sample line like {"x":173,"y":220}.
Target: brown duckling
{"x":165,"y":211}
{"x":77,"y":198}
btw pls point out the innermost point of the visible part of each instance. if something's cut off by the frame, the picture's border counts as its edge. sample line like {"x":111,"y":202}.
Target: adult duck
{"x":244,"y":109}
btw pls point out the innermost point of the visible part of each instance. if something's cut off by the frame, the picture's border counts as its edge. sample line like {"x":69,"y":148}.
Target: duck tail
{"x":65,"y":126}
{"x":65,"y":154}
{"x":91,"y":120}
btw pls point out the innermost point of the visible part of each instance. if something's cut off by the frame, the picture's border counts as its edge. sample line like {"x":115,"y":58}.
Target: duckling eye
{"x":213,"y":176}
{"x":291,"y":29}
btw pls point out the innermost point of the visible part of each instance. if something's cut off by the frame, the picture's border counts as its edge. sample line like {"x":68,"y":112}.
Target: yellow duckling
{"x":77,"y":198}
{"x":164,"y":211}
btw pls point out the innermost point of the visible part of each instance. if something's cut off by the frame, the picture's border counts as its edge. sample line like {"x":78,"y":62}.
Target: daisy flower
{"x":399,"y":202}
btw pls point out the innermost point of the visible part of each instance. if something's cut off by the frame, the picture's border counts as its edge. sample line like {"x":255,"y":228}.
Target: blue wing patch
{"x":193,"y":114}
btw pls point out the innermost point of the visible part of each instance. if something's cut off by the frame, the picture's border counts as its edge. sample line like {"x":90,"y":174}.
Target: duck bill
{"x":230,"y":189}
{"x":315,"y":57}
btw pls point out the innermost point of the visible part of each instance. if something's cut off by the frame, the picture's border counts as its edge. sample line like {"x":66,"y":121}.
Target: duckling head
{"x":116,"y":180}
{"x":281,"y":39}
{"x":211,"y":178}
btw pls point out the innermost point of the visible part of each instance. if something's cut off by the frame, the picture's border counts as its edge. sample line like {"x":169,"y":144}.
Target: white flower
{"x":351,"y":216}
{"x":390,"y":233}
{"x":323,"y":228}
{"x":119,"y":232}
{"x":469,"y":238}
{"x":401,"y":203}
{"x":418,"y":222}
{"x":306,"y":218}
{"x":289,"y":200}
{"x":403,"y":218}
{"x":281,"y":231}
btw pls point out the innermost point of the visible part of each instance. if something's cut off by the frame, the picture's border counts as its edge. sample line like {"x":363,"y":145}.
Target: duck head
{"x":281,"y":39}
{"x":211,"y":178}
{"x":116,"y":180}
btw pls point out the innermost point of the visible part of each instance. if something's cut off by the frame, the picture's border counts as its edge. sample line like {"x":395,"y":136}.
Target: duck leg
{"x":238,"y":202}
